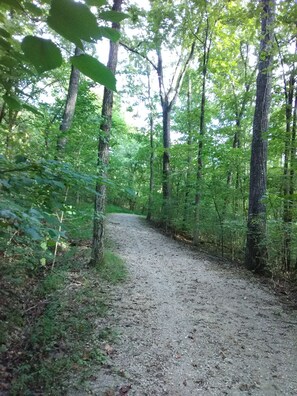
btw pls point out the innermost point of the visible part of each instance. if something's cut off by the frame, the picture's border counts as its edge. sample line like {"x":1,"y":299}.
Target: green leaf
{"x":33,"y":233}
{"x":33,"y":9}
{"x":4,"y":33}
{"x":8,"y":61}
{"x":32,"y":109}
{"x":43,"y":261}
{"x":42,"y":53}
{"x":13,"y":3}
{"x":74,"y":21}
{"x":95,"y":70}
{"x":113,"y":16}
{"x":5,"y":44}
{"x":96,"y":3}
{"x":112,"y":34}
{"x":12,"y":102}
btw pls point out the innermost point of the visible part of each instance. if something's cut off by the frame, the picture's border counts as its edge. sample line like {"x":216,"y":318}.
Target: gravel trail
{"x":190,"y":326}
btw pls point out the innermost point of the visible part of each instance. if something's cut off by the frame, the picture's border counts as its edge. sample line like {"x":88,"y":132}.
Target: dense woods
{"x":198,"y":134}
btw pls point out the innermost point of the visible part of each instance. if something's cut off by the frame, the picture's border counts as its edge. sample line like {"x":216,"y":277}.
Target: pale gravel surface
{"x":190,"y":326}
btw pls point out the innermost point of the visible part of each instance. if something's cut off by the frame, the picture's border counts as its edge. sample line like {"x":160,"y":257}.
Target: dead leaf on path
{"x":124,"y":390}
{"x":108,"y":349}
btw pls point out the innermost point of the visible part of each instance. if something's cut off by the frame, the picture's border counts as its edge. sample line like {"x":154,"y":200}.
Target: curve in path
{"x":190,"y":326}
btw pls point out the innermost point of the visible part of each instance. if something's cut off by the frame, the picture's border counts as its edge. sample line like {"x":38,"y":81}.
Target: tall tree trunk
{"x":103,"y":155}
{"x":166,"y":183}
{"x":166,"y":112}
{"x":256,"y":251}
{"x":189,"y":156}
{"x":293,"y":164}
{"x":69,"y":106}
{"x":198,"y":193}
{"x":287,"y":211}
{"x":152,"y":154}
{"x":2,"y":112}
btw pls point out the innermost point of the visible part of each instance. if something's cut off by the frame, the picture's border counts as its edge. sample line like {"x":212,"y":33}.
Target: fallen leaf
{"x":124,"y":390}
{"x":108,"y":349}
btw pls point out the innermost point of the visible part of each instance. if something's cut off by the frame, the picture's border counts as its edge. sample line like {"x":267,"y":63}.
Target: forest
{"x":183,"y":112}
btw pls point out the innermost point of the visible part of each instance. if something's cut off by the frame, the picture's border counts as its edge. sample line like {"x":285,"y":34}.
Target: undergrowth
{"x":51,"y":340}
{"x":65,"y":343}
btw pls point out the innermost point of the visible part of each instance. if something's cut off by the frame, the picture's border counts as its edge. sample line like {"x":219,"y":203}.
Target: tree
{"x":256,"y":251}
{"x":160,"y":27}
{"x":103,"y":153}
{"x":206,"y":43}
{"x":69,"y":104}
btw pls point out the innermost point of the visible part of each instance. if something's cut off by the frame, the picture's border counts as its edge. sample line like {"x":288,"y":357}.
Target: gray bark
{"x":69,"y":105}
{"x":152,"y":155}
{"x":198,"y":193}
{"x":256,"y":251}
{"x":97,"y":254}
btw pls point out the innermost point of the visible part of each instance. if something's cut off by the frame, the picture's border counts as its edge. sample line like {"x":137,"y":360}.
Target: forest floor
{"x":191,"y":325}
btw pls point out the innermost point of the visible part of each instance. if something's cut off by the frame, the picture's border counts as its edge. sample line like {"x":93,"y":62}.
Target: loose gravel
{"x":188,"y":325}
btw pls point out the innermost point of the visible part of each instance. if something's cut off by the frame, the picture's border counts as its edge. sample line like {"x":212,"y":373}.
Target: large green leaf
{"x":13,"y":3}
{"x":5,"y":44}
{"x":42,"y":53}
{"x":33,"y":9}
{"x":31,"y":108}
{"x":4,"y":33}
{"x":112,"y":34}
{"x":94,"y":69}
{"x":8,"y":61}
{"x":15,"y":104}
{"x":74,"y":21}
{"x":113,"y":16}
{"x":12,"y":102}
{"x":96,"y":3}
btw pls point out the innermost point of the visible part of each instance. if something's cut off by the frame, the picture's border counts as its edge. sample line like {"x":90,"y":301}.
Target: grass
{"x":113,"y":269}
{"x":117,"y":209}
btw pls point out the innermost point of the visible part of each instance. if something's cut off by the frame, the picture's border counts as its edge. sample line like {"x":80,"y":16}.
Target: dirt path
{"x":188,"y":326}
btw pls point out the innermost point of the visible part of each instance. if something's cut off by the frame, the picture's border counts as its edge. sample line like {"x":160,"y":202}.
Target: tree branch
{"x":138,"y":53}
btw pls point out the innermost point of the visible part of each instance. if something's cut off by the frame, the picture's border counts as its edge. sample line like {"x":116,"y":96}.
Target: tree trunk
{"x":256,"y":251}
{"x":103,"y":155}
{"x":206,"y":50}
{"x":166,"y":187}
{"x":152,"y":155}
{"x":189,"y":157}
{"x":69,"y":106}
{"x":293,"y":163}
{"x":287,"y":212}
{"x":2,"y":112}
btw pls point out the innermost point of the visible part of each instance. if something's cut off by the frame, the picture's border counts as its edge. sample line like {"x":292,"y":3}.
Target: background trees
{"x":211,"y":125}
{"x":191,"y":75}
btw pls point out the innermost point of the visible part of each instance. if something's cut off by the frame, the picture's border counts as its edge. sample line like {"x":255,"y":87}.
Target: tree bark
{"x":152,"y":155}
{"x":189,"y":156}
{"x":69,"y":106}
{"x":97,"y":254}
{"x":166,"y":187}
{"x":256,"y":250}
{"x":287,"y":211}
{"x":2,"y":112}
{"x":198,"y":193}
